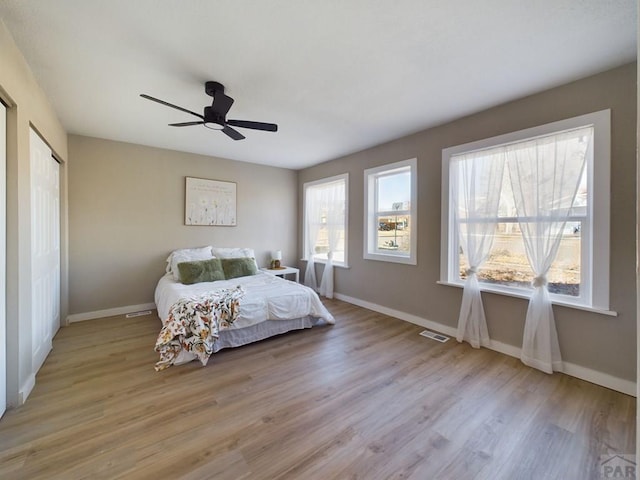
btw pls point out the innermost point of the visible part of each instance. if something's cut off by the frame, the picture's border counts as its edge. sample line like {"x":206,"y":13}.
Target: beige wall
{"x":27,"y":106}
{"x":603,"y":343}
{"x":126,"y":213}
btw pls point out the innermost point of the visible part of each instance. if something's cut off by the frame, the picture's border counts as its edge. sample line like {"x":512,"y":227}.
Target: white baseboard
{"x":110,"y":312}
{"x":599,"y":378}
{"x":25,"y":389}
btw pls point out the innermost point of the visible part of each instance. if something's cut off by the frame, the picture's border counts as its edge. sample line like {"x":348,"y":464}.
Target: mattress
{"x":267,"y":297}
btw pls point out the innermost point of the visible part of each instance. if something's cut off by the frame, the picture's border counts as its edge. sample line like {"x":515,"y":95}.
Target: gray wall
{"x":126,"y":213}
{"x":603,"y":343}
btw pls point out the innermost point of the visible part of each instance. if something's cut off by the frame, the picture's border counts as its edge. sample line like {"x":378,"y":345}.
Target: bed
{"x":229,"y":312}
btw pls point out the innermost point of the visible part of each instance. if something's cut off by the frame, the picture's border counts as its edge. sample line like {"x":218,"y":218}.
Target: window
{"x":390,"y":194}
{"x":325,"y":219}
{"x":576,"y":209}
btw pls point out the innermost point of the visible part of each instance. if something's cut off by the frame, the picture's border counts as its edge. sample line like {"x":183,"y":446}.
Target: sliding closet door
{"x":3,"y":216}
{"x":45,"y":248}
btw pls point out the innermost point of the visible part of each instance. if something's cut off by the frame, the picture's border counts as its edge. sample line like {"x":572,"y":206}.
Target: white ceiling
{"x":337,"y":76}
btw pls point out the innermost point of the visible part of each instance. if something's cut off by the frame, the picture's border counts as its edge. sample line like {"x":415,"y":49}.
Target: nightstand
{"x":281,"y":272}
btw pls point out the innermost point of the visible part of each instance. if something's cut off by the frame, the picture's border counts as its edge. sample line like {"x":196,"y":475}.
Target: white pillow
{"x":186,"y":255}
{"x":234,"y":253}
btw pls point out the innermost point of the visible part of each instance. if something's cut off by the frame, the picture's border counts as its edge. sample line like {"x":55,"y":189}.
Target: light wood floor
{"x":367,"y":399}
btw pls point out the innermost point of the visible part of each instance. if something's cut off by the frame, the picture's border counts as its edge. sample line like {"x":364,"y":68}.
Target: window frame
{"x":315,"y":183}
{"x":370,"y":252}
{"x":595,"y":244}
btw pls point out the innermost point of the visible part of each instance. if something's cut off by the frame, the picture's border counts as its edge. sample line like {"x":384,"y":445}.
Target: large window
{"x":548,"y":201}
{"x":325,"y":219}
{"x":390,"y":196}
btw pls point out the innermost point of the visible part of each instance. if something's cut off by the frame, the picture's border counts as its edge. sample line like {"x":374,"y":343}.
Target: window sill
{"x":381,"y":257}
{"x":586,"y":308}
{"x":335,"y":265}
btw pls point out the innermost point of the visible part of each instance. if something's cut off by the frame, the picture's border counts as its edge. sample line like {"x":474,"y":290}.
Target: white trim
{"x":555,"y":299}
{"x":601,"y":213}
{"x":26,"y":388}
{"x":594,"y":376}
{"x":109,"y":312}
{"x":3,"y":258}
{"x":370,"y":251}
{"x":323,"y":261}
{"x":603,"y":379}
{"x":334,"y":178}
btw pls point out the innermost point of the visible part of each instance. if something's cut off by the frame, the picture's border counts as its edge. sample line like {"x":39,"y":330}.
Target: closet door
{"x":3,"y":216}
{"x":45,"y":248}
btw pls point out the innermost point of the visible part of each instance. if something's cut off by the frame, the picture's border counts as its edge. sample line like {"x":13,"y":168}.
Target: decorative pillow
{"x":201,"y":271}
{"x":238,"y":267}
{"x":186,"y":255}
{"x":220,"y":252}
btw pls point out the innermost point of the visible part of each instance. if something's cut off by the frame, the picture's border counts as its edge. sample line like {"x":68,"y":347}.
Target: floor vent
{"x":435,"y":336}
{"x":138,"y":314}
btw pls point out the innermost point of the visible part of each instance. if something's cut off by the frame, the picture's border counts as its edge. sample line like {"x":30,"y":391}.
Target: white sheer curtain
{"x":334,"y":201}
{"x":476,"y":197}
{"x":545,"y":175}
{"x":313,"y":219}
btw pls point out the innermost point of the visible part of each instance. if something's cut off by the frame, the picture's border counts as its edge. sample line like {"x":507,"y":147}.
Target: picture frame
{"x":210,"y":202}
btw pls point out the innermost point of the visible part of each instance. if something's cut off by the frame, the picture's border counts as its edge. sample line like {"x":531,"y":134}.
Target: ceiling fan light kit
{"x":215,"y":116}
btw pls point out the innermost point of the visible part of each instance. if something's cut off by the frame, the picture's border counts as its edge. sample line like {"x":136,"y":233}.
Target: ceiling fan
{"x":215,"y":116}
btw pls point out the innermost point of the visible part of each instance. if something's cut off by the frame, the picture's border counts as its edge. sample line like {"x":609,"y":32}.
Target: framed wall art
{"x":210,"y":202}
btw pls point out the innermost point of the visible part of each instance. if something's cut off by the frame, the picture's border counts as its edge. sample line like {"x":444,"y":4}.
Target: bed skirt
{"x":236,"y":337}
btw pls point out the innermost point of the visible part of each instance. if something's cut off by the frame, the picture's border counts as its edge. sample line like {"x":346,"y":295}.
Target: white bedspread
{"x":267,"y":298}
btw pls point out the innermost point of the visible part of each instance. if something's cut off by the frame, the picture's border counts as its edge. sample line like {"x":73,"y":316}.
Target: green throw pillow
{"x":201,"y":271}
{"x":238,"y":267}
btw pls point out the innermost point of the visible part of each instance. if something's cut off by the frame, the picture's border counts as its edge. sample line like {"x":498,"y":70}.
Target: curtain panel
{"x":545,"y":175}
{"x":476,"y":187}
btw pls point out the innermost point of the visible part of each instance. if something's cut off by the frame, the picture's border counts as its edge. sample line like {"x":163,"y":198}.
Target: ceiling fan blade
{"x":185,"y":124}
{"x":221,"y":103}
{"x":267,"y":127}
{"x":236,"y":135}
{"x":162,"y":102}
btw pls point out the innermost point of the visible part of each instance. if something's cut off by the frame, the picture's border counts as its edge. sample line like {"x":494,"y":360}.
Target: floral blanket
{"x":193,"y":325}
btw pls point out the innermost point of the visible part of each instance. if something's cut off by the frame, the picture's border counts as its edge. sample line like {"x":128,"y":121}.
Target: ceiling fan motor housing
{"x":211,"y":88}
